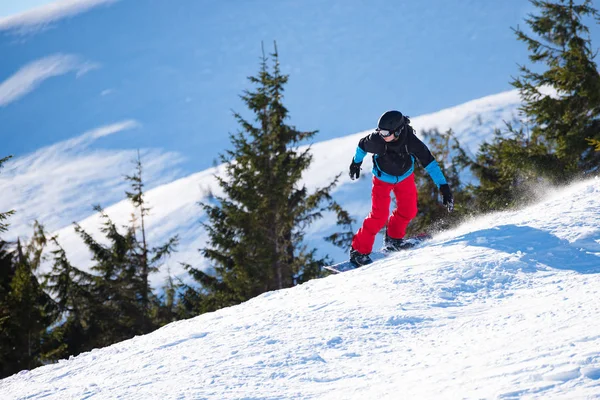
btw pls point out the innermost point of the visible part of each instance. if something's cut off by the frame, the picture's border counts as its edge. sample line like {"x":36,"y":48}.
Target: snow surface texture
{"x":505,"y":306}
{"x":60,"y":175}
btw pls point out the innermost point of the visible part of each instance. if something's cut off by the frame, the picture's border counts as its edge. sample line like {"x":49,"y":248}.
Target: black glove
{"x":355,"y":169}
{"x":448,"y":200}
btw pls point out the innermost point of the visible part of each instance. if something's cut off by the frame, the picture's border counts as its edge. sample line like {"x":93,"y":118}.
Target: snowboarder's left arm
{"x":421,"y":151}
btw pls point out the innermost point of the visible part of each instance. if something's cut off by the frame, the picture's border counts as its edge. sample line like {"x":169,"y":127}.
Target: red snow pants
{"x":406,"y":209}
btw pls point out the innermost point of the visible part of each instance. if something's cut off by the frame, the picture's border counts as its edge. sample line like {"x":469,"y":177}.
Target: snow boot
{"x":391,"y":244}
{"x":359,"y":259}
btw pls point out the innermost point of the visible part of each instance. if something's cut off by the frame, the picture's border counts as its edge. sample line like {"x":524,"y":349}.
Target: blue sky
{"x":11,"y":7}
{"x":176,"y":69}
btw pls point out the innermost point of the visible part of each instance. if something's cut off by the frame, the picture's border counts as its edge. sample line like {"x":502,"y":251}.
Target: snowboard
{"x":410,"y":242}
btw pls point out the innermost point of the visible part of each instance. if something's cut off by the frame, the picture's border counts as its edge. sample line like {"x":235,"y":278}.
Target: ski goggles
{"x":386,"y":133}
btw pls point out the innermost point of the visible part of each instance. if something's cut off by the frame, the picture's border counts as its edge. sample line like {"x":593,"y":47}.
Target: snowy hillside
{"x":71,"y":179}
{"x":506,"y":306}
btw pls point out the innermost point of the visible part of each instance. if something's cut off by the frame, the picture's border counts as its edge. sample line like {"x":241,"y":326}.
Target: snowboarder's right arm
{"x":372,"y":143}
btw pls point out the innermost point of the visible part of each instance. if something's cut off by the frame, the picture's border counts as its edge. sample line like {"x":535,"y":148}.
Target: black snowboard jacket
{"x":394,"y":161}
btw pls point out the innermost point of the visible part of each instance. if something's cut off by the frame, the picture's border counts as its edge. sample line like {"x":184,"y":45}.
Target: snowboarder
{"x":394,"y":146}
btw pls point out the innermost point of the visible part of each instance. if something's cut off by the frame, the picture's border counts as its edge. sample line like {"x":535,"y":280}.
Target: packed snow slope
{"x":506,"y":306}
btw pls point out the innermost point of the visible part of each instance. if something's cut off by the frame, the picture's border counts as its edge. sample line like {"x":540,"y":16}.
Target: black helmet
{"x":392,"y":121}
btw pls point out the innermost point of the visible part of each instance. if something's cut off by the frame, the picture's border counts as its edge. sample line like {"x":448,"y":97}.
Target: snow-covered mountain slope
{"x":175,"y":209}
{"x":506,"y":306}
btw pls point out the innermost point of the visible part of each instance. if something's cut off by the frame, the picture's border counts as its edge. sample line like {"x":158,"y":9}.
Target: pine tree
{"x":28,"y":311}
{"x":72,"y":289}
{"x":7,"y":328}
{"x":561,"y":106}
{"x":256,"y":230}
{"x":124,"y":304}
{"x":565,"y":119}
{"x":116,"y":307}
{"x":147,"y":259}
{"x":511,"y":168}
{"x":7,"y":273}
{"x":4,"y":215}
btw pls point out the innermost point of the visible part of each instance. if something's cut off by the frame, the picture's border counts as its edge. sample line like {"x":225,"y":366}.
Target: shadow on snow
{"x":537,"y":246}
